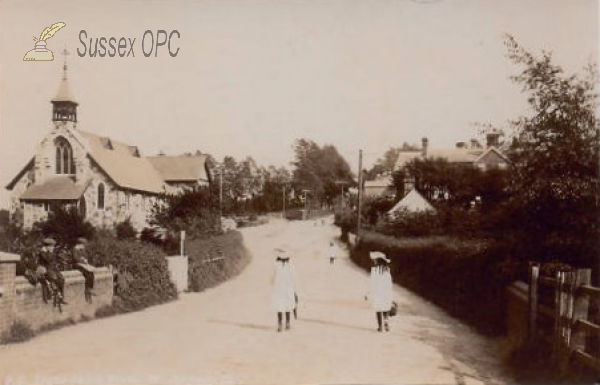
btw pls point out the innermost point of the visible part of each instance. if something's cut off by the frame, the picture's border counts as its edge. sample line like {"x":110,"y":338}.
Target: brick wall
{"x":22,"y":301}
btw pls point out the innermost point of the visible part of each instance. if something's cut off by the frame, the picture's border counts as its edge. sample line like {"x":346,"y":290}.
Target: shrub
{"x":206,"y":268}
{"x":411,"y":224}
{"x":19,"y":331}
{"x":142,"y":267}
{"x":66,"y":225}
{"x":125,"y":230}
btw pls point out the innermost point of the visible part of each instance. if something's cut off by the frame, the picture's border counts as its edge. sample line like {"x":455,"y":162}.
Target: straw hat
{"x":82,"y":240}
{"x":49,"y":242}
{"x":282,"y":253}
{"x":374,"y":255}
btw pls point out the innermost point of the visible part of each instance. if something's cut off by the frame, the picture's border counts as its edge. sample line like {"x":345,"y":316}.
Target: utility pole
{"x":306,"y":202}
{"x":342,"y":183}
{"x":220,"y":194}
{"x":360,"y":191}
{"x":283,"y":212}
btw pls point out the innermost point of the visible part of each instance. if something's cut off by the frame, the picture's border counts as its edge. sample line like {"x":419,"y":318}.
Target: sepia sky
{"x":252,"y":76}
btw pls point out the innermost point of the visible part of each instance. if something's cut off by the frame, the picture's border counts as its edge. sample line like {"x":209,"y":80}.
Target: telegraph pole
{"x":342,"y":183}
{"x":283,"y":212}
{"x":306,"y":202}
{"x":360,"y":191}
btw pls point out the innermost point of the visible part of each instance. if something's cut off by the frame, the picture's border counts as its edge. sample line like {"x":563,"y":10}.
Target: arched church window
{"x":101,"y":196}
{"x":64,"y":157}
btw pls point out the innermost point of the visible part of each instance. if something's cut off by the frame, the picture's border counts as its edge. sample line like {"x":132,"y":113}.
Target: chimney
{"x":424,"y":144}
{"x":492,"y":139}
{"x":460,"y":145}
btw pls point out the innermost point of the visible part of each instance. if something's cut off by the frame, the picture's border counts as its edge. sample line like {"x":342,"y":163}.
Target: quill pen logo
{"x":40,"y":52}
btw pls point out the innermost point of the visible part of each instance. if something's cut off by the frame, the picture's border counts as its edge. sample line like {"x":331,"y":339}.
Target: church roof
{"x":181,"y":168}
{"x":122,"y":165}
{"x":56,"y":188}
{"x":64,"y":92}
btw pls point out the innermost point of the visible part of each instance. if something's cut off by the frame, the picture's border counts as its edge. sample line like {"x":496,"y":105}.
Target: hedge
{"x":215,"y":259}
{"x":144,"y":276}
{"x":464,"y":277}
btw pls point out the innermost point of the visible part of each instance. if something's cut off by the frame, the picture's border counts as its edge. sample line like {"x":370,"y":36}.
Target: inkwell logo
{"x":40,"y":52}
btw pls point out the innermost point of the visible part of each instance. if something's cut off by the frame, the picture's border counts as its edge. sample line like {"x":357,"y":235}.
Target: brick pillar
{"x":8,"y":270}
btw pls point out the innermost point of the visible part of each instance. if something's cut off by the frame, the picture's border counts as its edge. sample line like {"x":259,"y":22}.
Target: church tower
{"x":64,"y":106}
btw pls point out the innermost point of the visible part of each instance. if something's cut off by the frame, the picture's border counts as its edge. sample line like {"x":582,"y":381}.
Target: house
{"x":465,"y":154}
{"x":182,"y":172}
{"x":412,"y":202}
{"x":378,"y":187}
{"x":107,"y":180}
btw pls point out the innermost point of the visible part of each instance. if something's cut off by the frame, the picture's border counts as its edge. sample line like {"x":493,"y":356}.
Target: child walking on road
{"x":284,"y":292}
{"x":381,"y":289}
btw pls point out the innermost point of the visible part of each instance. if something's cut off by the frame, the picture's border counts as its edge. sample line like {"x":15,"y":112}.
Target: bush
{"x":411,"y":224}
{"x":19,"y":331}
{"x":460,"y":276}
{"x":65,"y":224}
{"x":206,"y":268}
{"x":142,"y":267}
{"x":125,"y":230}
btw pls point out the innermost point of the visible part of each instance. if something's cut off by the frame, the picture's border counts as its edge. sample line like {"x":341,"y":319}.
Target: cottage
{"x":108,"y":181}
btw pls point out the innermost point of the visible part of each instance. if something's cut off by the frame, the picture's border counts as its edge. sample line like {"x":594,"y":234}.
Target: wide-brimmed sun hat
{"x":282,"y":253}
{"x":374,"y":255}
{"x":49,"y":242}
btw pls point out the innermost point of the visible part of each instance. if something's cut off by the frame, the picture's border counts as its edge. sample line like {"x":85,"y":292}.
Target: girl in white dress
{"x":381,"y":289}
{"x":284,"y":292}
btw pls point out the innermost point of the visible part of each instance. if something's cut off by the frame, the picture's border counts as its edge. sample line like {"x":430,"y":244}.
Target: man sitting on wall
{"x":47,"y":268}
{"x":80,"y":262}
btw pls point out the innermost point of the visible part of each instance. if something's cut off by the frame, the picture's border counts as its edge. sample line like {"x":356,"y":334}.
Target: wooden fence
{"x":559,"y":312}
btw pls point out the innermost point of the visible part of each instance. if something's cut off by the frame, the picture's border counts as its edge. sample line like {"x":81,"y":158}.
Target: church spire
{"x":64,"y":106}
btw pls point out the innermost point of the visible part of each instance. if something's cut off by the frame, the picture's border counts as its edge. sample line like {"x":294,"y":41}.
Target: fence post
{"x":580,"y":307}
{"x":534,"y":272}
{"x":557,"y":340}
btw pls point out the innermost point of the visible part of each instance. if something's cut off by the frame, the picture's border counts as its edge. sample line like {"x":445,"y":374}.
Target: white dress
{"x":381,"y":288}
{"x":283,"y":297}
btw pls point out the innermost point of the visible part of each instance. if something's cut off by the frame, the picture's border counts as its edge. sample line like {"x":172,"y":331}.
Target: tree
{"x":194,"y":211}
{"x":555,"y":159}
{"x":318,"y":169}
{"x":387,"y":164}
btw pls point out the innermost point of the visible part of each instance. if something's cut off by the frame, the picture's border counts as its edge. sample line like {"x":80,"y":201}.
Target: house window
{"x":64,"y":157}
{"x":101,"y":196}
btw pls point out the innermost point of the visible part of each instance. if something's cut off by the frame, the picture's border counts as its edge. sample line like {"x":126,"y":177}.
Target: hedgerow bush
{"x":461,"y":276}
{"x":215,"y":259}
{"x":144,"y":276}
{"x":19,"y":331}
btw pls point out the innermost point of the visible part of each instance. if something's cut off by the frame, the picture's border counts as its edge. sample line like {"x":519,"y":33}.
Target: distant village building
{"x":380,"y":186}
{"x":108,"y":181}
{"x":466,"y":154}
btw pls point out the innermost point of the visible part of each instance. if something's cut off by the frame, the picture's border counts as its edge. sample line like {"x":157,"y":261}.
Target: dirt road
{"x":228,"y":334}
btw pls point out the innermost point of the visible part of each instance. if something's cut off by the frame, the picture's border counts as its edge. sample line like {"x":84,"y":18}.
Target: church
{"x":108,"y":181}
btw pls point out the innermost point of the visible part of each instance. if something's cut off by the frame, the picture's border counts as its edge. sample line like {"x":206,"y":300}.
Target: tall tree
{"x":318,"y":169}
{"x":555,"y":155}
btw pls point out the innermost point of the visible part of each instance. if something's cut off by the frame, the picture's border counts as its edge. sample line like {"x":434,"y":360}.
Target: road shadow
{"x":243,"y":325}
{"x":334,"y":323}
{"x":337,"y":302}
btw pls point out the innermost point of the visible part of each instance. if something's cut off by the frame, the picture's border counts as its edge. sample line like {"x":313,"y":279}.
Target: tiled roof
{"x":379,"y":182}
{"x":121,"y":165}
{"x":181,"y":168}
{"x":56,"y":188}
